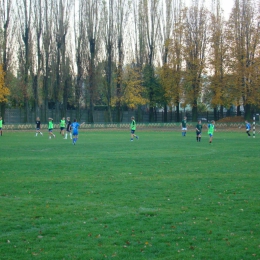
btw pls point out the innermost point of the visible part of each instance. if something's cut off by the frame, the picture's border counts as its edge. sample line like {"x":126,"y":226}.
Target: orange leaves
{"x":4,"y":91}
{"x":133,"y":91}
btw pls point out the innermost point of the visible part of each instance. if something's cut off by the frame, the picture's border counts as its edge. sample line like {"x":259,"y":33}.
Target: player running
{"x":62,"y":126}
{"x":38,"y":126}
{"x":133,"y":128}
{"x":50,"y":127}
{"x":75,"y":132}
{"x":248,"y":128}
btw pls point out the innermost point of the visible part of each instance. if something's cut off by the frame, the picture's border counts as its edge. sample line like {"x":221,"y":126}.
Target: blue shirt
{"x":75,"y":126}
{"x":248,"y":126}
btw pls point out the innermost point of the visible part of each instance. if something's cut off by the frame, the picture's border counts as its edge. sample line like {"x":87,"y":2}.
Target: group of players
{"x":71,"y":129}
{"x":211,"y":129}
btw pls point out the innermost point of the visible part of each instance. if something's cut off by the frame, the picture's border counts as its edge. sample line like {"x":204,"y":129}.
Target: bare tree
{"x":25,"y":58}
{"x":36,"y":72}
{"x":93,"y":28}
{"x":80,"y":48}
{"x":47,"y":39}
{"x":109,"y":37}
{"x":151,"y":21}
{"x":172,"y":70}
{"x":139,"y":33}
{"x":122,"y":8}
{"x":61,"y":26}
{"x":170,"y":49}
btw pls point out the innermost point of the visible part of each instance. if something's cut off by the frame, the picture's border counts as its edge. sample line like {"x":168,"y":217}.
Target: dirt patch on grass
{"x":233,"y":119}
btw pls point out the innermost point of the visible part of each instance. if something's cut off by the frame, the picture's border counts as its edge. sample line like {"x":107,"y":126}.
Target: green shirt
{"x":62,"y":123}
{"x":183,"y":123}
{"x":1,"y":123}
{"x":211,"y":129}
{"x":50,"y":125}
{"x":133,"y":125}
{"x":198,"y":127}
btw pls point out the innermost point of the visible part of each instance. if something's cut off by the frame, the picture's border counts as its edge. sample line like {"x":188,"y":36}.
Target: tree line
{"x":120,"y":54}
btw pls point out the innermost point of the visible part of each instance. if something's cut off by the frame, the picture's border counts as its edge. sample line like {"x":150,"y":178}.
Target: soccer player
{"x":62,"y":126}
{"x":1,"y":125}
{"x":184,"y":126}
{"x":132,"y":129}
{"x":198,"y":130}
{"x":68,"y":129}
{"x":75,"y":132}
{"x":211,"y":128}
{"x":51,"y":128}
{"x":38,"y":126}
{"x":248,"y":128}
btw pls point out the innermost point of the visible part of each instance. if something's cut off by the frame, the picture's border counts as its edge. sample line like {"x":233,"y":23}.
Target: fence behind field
{"x":17,"y":116}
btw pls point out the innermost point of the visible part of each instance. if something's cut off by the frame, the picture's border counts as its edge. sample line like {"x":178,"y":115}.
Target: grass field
{"x":163,"y":196}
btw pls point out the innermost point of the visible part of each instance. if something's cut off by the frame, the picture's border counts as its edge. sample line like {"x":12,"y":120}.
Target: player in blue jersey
{"x":75,"y":132}
{"x":248,"y":128}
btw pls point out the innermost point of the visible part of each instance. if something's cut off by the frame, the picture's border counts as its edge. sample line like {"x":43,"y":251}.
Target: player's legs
{"x":132,"y":135}
{"x":248,"y":132}
{"x":210,"y":138}
{"x":38,"y":131}
{"x":198,"y":136}
{"x":51,"y":134}
{"x":184,"y":130}
{"x":1,"y":132}
{"x":75,"y":137}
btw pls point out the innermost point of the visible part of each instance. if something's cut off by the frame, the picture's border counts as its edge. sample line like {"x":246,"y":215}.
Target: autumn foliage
{"x":4,"y":91}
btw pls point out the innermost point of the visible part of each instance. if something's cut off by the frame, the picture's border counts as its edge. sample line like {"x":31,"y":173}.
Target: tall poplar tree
{"x":196,"y":39}
{"x":6,"y":48}
{"x":244,"y":34}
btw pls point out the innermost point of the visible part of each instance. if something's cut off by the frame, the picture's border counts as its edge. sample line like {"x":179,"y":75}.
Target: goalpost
{"x":254,"y":127}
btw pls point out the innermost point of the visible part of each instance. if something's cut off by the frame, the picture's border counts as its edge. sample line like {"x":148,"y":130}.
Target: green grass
{"x":163,"y":196}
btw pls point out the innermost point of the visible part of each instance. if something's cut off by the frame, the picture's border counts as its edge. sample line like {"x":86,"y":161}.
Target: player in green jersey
{"x":211,"y":129}
{"x":50,"y":127}
{"x":62,"y":126}
{"x":184,"y":126}
{"x":1,"y":126}
{"x":198,"y":131}
{"x":132,"y":129}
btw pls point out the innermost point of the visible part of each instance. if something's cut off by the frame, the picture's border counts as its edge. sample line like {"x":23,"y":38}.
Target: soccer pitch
{"x":163,"y":196}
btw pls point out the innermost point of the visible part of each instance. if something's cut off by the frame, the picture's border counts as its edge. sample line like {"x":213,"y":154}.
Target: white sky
{"x":226,"y":5}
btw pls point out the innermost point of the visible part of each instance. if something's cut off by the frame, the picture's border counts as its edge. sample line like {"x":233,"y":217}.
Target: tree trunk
{"x":165,"y":115}
{"x":194,"y":111}
{"x":2,"y":114}
{"x":221,"y":111}
{"x":215,"y":113}
{"x":248,"y":112}
{"x":238,"y":111}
